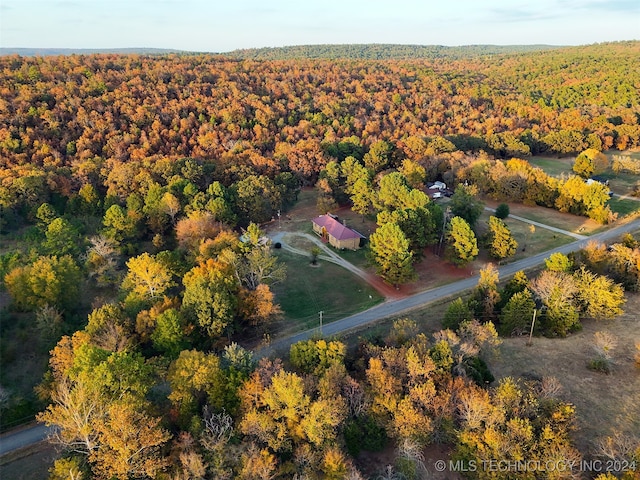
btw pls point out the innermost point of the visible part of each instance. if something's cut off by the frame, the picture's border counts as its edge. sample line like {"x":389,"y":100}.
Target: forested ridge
{"x":91,"y":112}
{"x":381,"y":51}
{"x":132,"y":190}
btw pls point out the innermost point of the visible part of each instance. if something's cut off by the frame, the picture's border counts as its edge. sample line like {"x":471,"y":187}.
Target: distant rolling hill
{"x":42,"y":52}
{"x":382,"y":51}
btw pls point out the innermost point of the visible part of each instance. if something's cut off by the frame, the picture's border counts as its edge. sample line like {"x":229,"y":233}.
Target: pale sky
{"x":220,"y":26}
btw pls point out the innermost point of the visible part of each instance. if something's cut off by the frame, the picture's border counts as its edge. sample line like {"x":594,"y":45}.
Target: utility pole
{"x":446,"y":215}
{"x":533,"y":322}
{"x":321,"y":312}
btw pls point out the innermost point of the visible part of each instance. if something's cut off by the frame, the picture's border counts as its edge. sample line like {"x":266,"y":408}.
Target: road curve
{"x":398,"y":307}
{"x":29,"y":436}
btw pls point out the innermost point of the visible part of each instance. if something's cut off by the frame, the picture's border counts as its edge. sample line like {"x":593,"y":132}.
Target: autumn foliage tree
{"x":147,"y":277}
{"x":48,"y":280}
{"x":462,"y":244}
{"x":499,"y":239}
{"x":590,"y":162}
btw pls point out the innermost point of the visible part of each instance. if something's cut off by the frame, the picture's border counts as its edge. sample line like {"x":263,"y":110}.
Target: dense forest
{"x":132,"y":193}
{"x":382,"y":51}
{"x":118,"y":122}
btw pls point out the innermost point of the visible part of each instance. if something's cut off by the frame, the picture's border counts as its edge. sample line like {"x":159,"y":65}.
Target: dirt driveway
{"x":287,"y":239}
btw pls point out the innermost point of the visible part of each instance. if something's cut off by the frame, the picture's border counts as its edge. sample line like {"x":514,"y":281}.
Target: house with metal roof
{"x":331,"y":230}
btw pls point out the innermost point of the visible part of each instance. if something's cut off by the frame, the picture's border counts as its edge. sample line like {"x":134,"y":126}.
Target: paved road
{"x":23,"y":438}
{"x":398,"y":307}
{"x":29,"y":436}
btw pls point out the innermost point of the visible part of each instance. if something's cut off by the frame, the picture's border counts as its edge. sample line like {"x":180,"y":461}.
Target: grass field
{"x":620,"y":183}
{"x":623,"y":207}
{"x":553,"y":218}
{"x":539,"y":241}
{"x":552,"y":165}
{"x":605,"y":404}
{"x":326,"y":287}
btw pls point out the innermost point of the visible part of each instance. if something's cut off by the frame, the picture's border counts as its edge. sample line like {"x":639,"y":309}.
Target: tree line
{"x":131,"y":189}
{"x":115,"y":121}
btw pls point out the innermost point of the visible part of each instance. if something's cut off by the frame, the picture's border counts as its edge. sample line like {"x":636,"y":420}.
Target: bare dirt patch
{"x":29,"y":464}
{"x":375,"y":464}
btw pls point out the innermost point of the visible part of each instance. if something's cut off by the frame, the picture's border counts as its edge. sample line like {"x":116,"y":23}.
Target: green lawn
{"x":553,"y":166}
{"x":621,"y":183}
{"x":623,"y":207}
{"x":540,"y":240}
{"x":308,"y":290}
{"x":357,"y":258}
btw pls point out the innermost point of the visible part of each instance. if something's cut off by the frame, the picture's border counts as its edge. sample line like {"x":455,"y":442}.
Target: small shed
{"x":340,"y":236}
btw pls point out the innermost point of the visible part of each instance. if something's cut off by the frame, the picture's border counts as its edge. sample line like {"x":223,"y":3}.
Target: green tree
{"x":378,"y":156}
{"x":517,"y":314}
{"x":517,"y":283}
{"x":361,"y":196}
{"x":89,"y":198}
{"x":170,"y":205}
{"x":256,"y":264}
{"x":392,"y":192}
{"x":210,"y":294}
{"x":62,"y":238}
{"x":52,"y":281}
{"x":196,"y":378}
{"x":390,"y":250}
{"x":462,"y":245}
{"x":157,"y":218}
{"x":315,"y":356}
{"x":169,"y":335}
{"x":502,"y":211}
{"x":46,"y":214}
{"x":219,"y":205}
{"x":457,"y":312}
{"x":418,"y":224}
{"x":557,"y":291}
{"x":352,"y":170}
{"x":558,"y":262}
{"x":413,"y":172}
{"x":486,"y":296}
{"x":110,"y":328}
{"x":464,"y":204}
{"x":68,"y":468}
{"x":499,"y":239}
{"x":256,"y":198}
{"x":119,"y":225}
